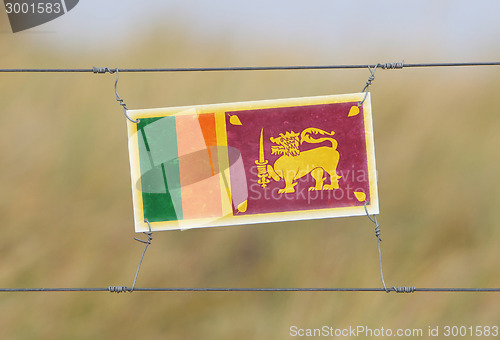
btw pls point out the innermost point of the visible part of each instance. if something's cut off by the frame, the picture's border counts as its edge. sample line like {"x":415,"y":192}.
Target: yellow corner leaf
{"x":353,"y":111}
{"x":235,"y":120}
{"x":242,"y":207}
{"x":361,"y":196}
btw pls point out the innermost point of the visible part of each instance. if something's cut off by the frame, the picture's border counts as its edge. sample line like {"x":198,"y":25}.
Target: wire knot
{"x":118,"y":289}
{"x":148,"y":241}
{"x":103,"y":70}
{"x":378,"y":232}
{"x":403,"y":289}
{"x":368,"y":82}
{"x":392,"y":66}
{"x":148,"y":233}
{"x":374,"y":221}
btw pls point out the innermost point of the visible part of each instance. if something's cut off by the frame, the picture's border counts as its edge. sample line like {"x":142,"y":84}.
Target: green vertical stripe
{"x":160,"y":177}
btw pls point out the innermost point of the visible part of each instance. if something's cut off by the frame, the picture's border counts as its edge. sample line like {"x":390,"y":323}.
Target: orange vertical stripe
{"x":207,"y":124}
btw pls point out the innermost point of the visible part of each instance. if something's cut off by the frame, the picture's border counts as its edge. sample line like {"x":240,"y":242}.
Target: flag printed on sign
{"x":252,"y":162}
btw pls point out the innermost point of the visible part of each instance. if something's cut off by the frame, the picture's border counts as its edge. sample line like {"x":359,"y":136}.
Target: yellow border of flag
{"x":220,"y":121}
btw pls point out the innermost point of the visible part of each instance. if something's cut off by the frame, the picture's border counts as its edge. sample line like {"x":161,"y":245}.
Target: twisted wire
{"x":118,"y":99}
{"x":147,"y":243}
{"x":392,"y":66}
{"x":373,"y":218}
{"x":368,"y":82}
{"x":404,"y":289}
{"x":379,"y":239}
{"x":103,"y":70}
{"x":251,"y":68}
{"x":117,"y":289}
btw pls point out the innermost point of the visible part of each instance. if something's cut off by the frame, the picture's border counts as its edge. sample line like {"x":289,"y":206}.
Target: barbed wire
{"x":385,"y":66}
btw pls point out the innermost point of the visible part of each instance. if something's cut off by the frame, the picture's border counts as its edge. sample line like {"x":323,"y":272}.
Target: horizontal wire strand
{"x":119,"y":289}
{"x":251,"y":68}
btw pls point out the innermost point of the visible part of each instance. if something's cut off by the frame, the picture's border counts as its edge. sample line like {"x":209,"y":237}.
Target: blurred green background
{"x":66,"y":208}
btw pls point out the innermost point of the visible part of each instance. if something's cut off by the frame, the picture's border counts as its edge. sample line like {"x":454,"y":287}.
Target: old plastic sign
{"x":252,"y":162}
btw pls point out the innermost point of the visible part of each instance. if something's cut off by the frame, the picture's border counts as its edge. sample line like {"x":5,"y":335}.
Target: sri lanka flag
{"x":252,"y":162}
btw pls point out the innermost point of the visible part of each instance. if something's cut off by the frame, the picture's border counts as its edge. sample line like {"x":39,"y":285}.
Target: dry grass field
{"x":66,"y":207}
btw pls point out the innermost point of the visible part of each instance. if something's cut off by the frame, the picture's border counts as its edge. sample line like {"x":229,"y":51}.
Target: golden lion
{"x":295,"y":164}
